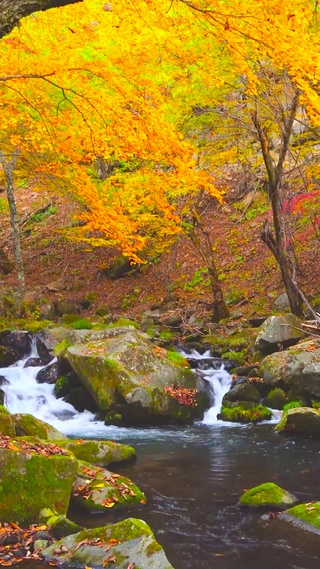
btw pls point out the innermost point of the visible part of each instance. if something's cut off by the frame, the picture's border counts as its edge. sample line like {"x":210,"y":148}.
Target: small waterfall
{"x":23,"y":394}
{"x":218,"y":379}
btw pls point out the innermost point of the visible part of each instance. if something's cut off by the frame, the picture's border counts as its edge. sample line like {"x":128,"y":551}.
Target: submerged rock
{"x":96,"y":489}
{"x":305,"y":516}
{"x":129,"y":543}
{"x":267,"y":495}
{"x":300,"y":420}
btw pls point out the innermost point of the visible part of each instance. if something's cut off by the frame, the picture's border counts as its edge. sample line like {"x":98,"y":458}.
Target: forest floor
{"x":249,"y":275}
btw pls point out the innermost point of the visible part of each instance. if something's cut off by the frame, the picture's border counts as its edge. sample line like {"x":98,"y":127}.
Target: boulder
{"x":49,"y":373}
{"x":244,"y":391}
{"x":124,"y":372}
{"x":34,"y":476}
{"x":279,"y":332}
{"x":99,"y":453}
{"x":27,"y":425}
{"x":301,"y":420}
{"x":129,"y":543}
{"x":304,"y":516}
{"x":267,"y":495}
{"x":296,"y":369}
{"x":19,"y":343}
{"x":96,"y":489}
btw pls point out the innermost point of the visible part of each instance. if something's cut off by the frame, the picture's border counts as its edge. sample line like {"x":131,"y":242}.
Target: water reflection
{"x":193,"y":481}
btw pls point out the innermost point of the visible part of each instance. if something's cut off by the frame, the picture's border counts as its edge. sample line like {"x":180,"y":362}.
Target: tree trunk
{"x":277,"y":244}
{"x":11,"y":11}
{"x":8,"y":168}
{"x":204,"y":248}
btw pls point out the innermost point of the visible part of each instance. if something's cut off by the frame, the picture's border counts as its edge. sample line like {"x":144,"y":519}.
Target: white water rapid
{"x":23,"y":394}
{"x":219,"y":381}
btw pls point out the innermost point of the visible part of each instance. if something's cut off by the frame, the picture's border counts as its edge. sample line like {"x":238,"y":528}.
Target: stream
{"x":193,"y":477}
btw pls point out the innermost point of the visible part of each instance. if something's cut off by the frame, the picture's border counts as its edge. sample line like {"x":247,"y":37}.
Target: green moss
{"x":292,"y":405}
{"x":61,"y":348}
{"x":153,"y":548}
{"x":307,"y":515}
{"x":238,"y":357}
{"x":7,"y":427}
{"x":316,"y":404}
{"x":111,"y":366}
{"x":177,"y":359}
{"x":123,"y":322}
{"x":240,"y":415}
{"x":81,"y":324}
{"x":32,"y":482}
{"x":267,"y":494}
{"x":276,"y":398}
{"x":101,"y":453}
{"x":166,"y":335}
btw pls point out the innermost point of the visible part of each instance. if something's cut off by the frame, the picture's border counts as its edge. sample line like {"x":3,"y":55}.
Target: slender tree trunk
{"x":277,"y":244}
{"x":204,"y":248}
{"x":8,"y":168}
{"x":11,"y":11}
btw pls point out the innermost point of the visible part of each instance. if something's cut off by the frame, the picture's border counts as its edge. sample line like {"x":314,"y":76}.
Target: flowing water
{"x":193,"y":477}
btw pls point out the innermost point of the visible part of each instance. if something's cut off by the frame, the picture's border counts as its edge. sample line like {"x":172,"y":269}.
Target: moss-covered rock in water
{"x":34,"y":476}
{"x":96,"y":490}
{"x":128,"y":543}
{"x":28,"y":425}
{"x":241,"y":414}
{"x":305,"y":516}
{"x":276,"y":398}
{"x":300,"y":420}
{"x":268,"y":495}
{"x":125,"y":373}
{"x":7,"y":427}
{"x":61,"y":526}
{"x":100,"y":453}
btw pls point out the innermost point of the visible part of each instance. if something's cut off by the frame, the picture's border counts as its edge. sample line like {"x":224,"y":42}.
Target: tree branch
{"x":12,"y":11}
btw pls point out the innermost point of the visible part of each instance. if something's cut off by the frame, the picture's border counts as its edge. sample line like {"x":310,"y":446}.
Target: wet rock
{"x":100,"y":453}
{"x":301,"y":420}
{"x":304,"y":516}
{"x":97,"y":490}
{"x":27,"y":425}
{"x":17,"y":343}
{"x":31,"y":481}
{"x":33,"y":362}
{"x":268,"y":495}
{"x":129,"y":543}
{"x":49,"y":374}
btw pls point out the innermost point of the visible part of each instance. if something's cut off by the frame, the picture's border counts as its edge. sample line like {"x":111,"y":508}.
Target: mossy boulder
{"x":296,"y":369}
{"x":97,"y":489}
{"x":28,"y":425}
{"x":305,"y":516}
{"x":7,"y":426}
{"x":300,"y":420}
{"x":125,"y":373}
{"x":276,"y":398}
{"x":130,"y":542}
{"x":61,"y":526}
{"x":244,"y":391}
{"x":99,"y":453}
{"x":267,"y":495}
{"x":279,"y":332}
{"x":34,"y":476}
{"x":244,"y":412}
